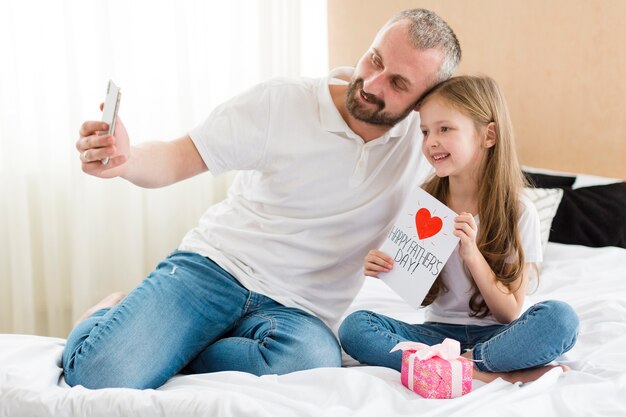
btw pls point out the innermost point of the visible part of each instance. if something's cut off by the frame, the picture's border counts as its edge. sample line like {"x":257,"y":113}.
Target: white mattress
{"x":592,"y":280}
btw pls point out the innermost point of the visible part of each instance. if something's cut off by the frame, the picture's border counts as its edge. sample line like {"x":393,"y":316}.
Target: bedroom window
{"x":174,"y":62}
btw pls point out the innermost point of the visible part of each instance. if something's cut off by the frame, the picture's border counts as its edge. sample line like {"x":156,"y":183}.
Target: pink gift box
{"x":437,"y":375}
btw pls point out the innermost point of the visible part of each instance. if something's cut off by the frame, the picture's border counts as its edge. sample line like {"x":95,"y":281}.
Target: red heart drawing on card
{"x":426,"y":225}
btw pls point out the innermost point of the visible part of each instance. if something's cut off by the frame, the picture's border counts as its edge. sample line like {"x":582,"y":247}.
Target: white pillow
{"x":584,"y":180}
{"x":547,"y":201}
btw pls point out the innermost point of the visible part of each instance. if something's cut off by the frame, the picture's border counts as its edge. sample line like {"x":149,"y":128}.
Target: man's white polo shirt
{"x":311,"y":198}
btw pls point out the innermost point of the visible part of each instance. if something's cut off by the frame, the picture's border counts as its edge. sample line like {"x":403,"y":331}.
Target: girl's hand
{"x":465,"y":229}
{"x":376,"y":262}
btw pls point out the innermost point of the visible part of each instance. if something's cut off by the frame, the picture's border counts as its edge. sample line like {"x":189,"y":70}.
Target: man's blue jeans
{"x":191,"y":316}
{"x":542,"y":333}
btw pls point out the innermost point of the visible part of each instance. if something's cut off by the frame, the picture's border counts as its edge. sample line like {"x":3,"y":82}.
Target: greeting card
{"x":420,"y":243}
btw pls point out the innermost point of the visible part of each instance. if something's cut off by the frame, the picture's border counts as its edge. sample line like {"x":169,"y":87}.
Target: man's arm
{"x":149,"y":165}
{"x":157,"y":164}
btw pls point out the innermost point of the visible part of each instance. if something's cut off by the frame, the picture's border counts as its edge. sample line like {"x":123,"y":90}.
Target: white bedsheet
{"x":592,"y":280}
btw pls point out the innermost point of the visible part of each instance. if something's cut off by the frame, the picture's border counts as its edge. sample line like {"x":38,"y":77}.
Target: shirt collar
{"x":330,"y":118}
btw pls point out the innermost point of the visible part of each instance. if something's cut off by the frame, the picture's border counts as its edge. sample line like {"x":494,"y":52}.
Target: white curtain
{"x":67,"y":239}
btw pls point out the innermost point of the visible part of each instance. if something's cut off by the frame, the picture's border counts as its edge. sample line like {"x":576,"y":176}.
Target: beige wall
{"x":561,"y":64}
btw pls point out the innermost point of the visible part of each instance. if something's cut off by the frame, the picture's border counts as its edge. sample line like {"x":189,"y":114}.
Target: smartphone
{"x":109,"y":112}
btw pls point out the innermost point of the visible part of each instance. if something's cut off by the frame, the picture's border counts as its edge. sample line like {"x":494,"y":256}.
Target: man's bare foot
{"x":108,"y":301}
{"x":523,"y":375}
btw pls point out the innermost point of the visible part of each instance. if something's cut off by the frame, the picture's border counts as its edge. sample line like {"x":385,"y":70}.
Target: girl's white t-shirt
{"x":453,"y":306}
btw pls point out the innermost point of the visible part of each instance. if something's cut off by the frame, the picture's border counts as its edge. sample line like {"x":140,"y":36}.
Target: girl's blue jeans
{"x":191,"y":316}
{"x":541,"y":334}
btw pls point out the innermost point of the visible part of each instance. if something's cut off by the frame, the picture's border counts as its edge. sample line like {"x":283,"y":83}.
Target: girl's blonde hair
{"x":500,"y":185}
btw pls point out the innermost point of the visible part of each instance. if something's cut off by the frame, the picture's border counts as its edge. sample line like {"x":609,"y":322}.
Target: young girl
{"x":478,"y":297}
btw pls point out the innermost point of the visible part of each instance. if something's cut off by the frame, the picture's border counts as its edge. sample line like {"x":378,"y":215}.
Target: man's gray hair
{"x":429,"y":31}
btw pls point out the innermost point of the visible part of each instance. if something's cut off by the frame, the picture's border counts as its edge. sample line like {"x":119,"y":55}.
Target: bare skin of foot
{"x":522,"y":375}
{"x":108,"y":301}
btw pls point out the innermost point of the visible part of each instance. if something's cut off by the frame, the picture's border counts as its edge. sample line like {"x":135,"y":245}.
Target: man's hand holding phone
{"x":104,"y":146}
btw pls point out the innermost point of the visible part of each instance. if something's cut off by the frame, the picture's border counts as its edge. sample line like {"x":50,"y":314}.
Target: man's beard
{"x":375,"y":117}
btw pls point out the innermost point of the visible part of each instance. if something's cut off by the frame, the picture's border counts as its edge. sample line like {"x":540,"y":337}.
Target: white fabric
{"x":312,"y":198}
{"x":67,"y":239}
{"x":546,"y":201}
{"x":592,"y":280}
{"x":453,"y":306}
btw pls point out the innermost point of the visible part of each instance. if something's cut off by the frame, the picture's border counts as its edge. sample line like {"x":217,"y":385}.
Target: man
{"x":257,"y":285}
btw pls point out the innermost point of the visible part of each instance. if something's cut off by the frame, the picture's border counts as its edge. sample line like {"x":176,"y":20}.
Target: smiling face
{"x":391,"y":76}
{"x":453,"y":144}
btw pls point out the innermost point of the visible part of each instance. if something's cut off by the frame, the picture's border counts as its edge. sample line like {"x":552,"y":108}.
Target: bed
{"x":592,"y":279}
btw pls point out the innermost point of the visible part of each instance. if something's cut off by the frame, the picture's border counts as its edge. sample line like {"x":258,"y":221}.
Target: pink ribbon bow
{"x":449,"y":349}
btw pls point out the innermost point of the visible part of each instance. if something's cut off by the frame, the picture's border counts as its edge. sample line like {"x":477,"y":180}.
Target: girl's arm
{"x":505,"y":304}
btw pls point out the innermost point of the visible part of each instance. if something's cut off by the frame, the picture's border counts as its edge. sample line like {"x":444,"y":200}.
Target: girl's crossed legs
{"x":516,"y":351}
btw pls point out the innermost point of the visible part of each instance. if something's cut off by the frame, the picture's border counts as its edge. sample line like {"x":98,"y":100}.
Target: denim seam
{"x":393,"y":336}
{"x":270,"y":332}
{"x":86,"y":348}
{"x":384,"y":333}
{"x":468,"y":336}
{"x":244,"y":311}
{"x":571,"y":345}
{"x":247,"y":304}
{"x":479,"y":358}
